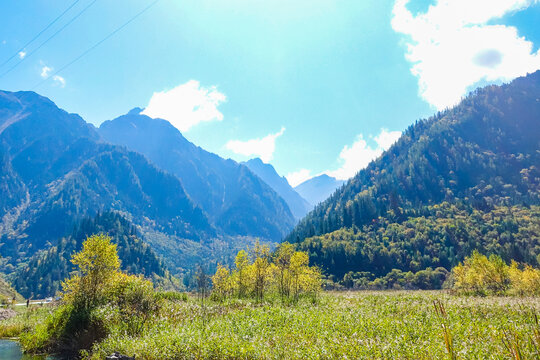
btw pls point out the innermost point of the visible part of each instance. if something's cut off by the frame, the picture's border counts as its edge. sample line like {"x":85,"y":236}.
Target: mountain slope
{"x":45,"y":271}
{"x":58,"y":171}
{"x":318,"y":188}
{"x":298,"y":205}
{"x":483,"y":154}
{"x":235,"y":199}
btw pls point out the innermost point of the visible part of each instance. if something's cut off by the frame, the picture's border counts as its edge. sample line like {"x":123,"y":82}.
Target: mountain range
{"x":467,"y":178}
{"x":189,"y":204}
{"x":57,"y":170}
{"x":235,"y":199}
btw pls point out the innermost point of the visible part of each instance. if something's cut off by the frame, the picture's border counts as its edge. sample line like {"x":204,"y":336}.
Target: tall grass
{"x":447,"y":335}
{"x":361,"y":325}
{"x":25,"y":321}
{"x":366,"y":325}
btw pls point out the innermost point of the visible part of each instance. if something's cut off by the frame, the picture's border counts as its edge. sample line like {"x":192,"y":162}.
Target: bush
{"x":96,"y":299}
{"x":396,"y":279}
{"x":135,"y":299}
{"x":525,"y":282}
{"x":480,"y":275}
{"x":66,"y":331}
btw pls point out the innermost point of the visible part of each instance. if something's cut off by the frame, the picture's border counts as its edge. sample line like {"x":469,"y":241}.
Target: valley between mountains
{"x":467,"y":178}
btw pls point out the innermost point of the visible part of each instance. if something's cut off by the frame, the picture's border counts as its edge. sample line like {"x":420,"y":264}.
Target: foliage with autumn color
{"x":482,"y":275}
{"x":258,"y":273}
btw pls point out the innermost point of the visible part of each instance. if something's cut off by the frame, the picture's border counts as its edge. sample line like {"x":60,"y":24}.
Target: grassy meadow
{"x":272,"y":307}
{"x":365,"y":325}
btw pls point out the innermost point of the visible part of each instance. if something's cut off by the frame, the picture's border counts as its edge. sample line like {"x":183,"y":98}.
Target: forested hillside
{"x":58,"y":171}
{"x":482,"y":156}
{"x":432,"y":236}
{"x":43,"y":274}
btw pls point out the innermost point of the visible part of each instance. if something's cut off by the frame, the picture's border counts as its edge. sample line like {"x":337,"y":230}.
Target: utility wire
{"x":48,"y":39}
{"x":41,"y":32}
{"x":97,"y":44}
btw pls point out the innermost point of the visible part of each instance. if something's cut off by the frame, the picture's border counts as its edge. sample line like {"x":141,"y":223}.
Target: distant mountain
{"x":57,"y":171}
{"x":467,"y":178}
{"x":298,"y":205}
{"x":236,"y":200}
{"x":46,"y":270}
{"x":318,"y":188}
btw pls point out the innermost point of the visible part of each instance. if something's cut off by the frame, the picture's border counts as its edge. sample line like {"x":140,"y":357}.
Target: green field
{"x":366,"y":325}
{"x":390,"y":325}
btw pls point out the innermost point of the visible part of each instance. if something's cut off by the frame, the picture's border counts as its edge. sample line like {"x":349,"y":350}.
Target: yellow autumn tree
{"x":221,"y":282}
{"x":259,"y":270}
{"x":480,"y":275}
{"x":282,"y":260}
{"x":299,"y":264}
{"x":525,"y":282}
{"x":241,"y":274}
{"x":286,"y":273}
{"x":98,"y":264}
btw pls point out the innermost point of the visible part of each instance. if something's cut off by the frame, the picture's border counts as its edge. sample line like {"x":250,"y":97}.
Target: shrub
{"x":135,"y":299}
{"x":66,"y":331}
{"x":526,"y":281}
{"x":479,"y":275}
{"x":95,"y":300}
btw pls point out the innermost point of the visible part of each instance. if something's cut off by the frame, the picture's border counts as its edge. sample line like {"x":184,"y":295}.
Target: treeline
{"x":477,"y":275}
{"x":432,"y":237}
{"x":43,"y":274}
{"x":259,"y":274}
{"x":396,"y":279}
{"x":484,"y":152}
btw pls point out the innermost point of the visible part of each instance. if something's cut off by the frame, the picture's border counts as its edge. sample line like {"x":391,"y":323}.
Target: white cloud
{"x":46,"y":74}
{"x":59,"y":80}
{"x":45,"y":71}
{"x":386,"y":138}
{"x":261,"y":147}
{"x":360,"y":154}
{"x":186,"y":105}
{"x":22,"y":54}
{"x":452,"y":48}
{"x":297,"y":177}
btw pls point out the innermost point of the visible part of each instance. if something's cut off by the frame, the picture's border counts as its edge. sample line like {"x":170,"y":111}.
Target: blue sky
{"x":311,"y":86}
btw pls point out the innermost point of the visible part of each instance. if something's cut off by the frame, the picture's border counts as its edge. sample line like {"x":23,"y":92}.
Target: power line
{"x":41,"y":32}
{"x":48,"y":39}
{"x":97,"y":44}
